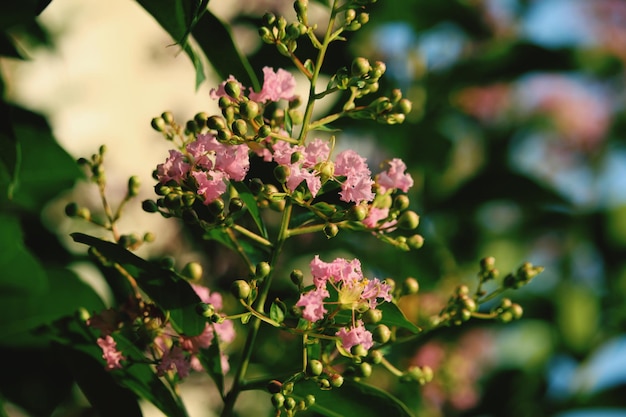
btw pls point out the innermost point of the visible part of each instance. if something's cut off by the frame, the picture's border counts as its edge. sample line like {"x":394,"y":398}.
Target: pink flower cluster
{"x":209,"y":163}
{"x":355,"y":292}
{"x":277,"y":85}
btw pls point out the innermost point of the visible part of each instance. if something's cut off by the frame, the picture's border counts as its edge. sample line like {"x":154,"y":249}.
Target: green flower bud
{"x":269,"y":19}
{"x":191,"y":127}
{"x":296,"y":116}
{"x":336,"y":380}
{"x":404,"y":106}
{"x":372,"y":316}
{"x":309,"y":400}
{"x":363,"y":18}
{"x":262,"y":270}
{"x":282,"y":49}
{"x":408,"y":220}
{"x":401,"y":202}
{"x":381,"y":334}
{"x":193,"y":271}
{"x":188,"y":198}
{"x":517,"y":311}
{"x":158,"y":124}
{"x":201,"y":119}
{"x":281,"y":173}
{"x":378,"y":69}
{"x":240,"y":127}
{"x":83,"y":213}
{"x":278,"y":400}
{"x":415,"y":241}
{"x":410,"y":286}
{"x":288,"y":388}
{"x":301,"y":7}
{"x":133,"y":186}
{"x":360,"y":67}
{"x":392,"y":284}
{"x":359,"y":350}
{"x":216,"y":206}
{"x":297,"y":277}
{"x":375,"y":356}
{"x":364,"y":370}
{"x":233,"y":89}
{"x":469,"y":304}
{"x":264,"y":131}
{"x":235,"y":204}
{"x":290,"y":403}
{"x":216,"y":123}
{"x":205,"y":310}
{"x":266,"y":35}
{"x":71,"y":209}
{"x":315,"y":367}
{"x":350,"y":15}
{"x":168,"y":117}
{"x":249,"y":109}
{"x":358,"y":212}
{"x":331,"y":230}
{"x":293,"y":30}
{"x":240,"y":289}
{"x":324,"y":384}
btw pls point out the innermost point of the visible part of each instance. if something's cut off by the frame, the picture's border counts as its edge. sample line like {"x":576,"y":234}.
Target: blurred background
{"x":516,"y":143}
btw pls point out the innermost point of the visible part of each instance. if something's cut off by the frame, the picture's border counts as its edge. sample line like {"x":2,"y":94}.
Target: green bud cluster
{"x":460,"y":307}
{"x":508,"y":311}
{"x":283,"y":399}
{"x":277,"y":31}
{"x":419,"y":374}
{"x":522,"y":276}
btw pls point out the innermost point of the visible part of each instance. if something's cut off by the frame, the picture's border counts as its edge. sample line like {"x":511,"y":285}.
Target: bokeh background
{"x":516,"y":143}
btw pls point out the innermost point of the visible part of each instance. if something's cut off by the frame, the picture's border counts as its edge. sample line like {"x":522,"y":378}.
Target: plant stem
{"x":308,"y":113}
{"x":238,"y":383}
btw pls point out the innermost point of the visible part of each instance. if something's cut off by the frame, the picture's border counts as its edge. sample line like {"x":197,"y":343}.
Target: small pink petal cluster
{"x":357,"y":186}
{"x":354,"y":292}
{"x":183,"y":356}
{"x":110,"y":353}
{"x":395,"y":177}
{"x":209,"y":163}
{"x":277,"y":85}
{"x":302,"y":169}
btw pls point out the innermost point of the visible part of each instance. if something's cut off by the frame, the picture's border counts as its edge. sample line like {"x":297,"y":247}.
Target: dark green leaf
{"x":169,"y":291}
{"x":17,"y":12}
{"x":45,"y":169}
{"x":352,"y":399}
{"x":9,"y":150}
{"x":22,"y":313}
{"x":246,"y":195}
{"x":216,"y":41}
{"x":178,"y":19}
{"x":393,"y":316}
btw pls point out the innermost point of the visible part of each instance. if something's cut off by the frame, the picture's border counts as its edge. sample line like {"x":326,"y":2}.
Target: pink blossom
{"x":316,"y":151}
{"x":110,"y":354}
{"x":202,"y":150}
{"x":374,"y":215}
{"x":395,"y":177}
{"x":193,"y":344}
{"x":225,"y":331}
{"x":283,"y":151}
{"x":208,"y":297}
{"x":375,"y":289}
{"x":220,"y":91}
{"x":174,"y":358}
{"x":313,"y":304}
{"x":224,"y":363}
{"x":211,"y":184}
{"x":297,"y":174}
{"x":357,"y":335}
{"x":339,"y":270}
{"x":174,"y":168}
{"x":210,"y":154}
{"x":350,"y":164}
{"x":276,"y":85}
{"x":356,"y":189}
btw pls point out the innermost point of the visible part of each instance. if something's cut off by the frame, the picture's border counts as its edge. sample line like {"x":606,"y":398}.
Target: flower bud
{"x":404,"y":106}
{"x":133,"y":186}
{"x":264,"y":131}
{"x":363,"y":18}
{"x":83,"y":213}
{"x":315,"y":367}
{"x":158,"y":124}
{"x":205,"y":310}
{"x":296,"y":116}
{"x":233,"y":89}
{"x":256,"y":186}
{"x":309,"y":400}
{"x":517,"y":311}
{"x":240,"y":289}
{"x":290,"y":403}
{"x":401,"y":202}
{"x":239,"y":127}
{"x":415,"y":241}
{"x":262,"y":270}
{"x":188,"y":198}
{"x":168,"y":117}
{"x":381,"y":334}
{"x":336,"y":380}
{"x":282,"y":49}
{"x":278,"y":400}
{"x":191,"y":127}
{"x":293,"y":30}
{"x":297,"y":277}
{"x":350,"y":15}
{"x":364,"y":370}
{"x":193,"y":271}
{"x":216,"y":206}
{"x":359,"y":350}
{"x":216,"y":123}
{"x":201,"y":119}
{"x":372,"y":316}
{"x":149,"y":237}
{"x":408,"y":220}
{"x":331,"y":230}
{"x":281,"y":173}
{"x":358,"y":212}
{"x":324,"y":384}
{"x":274,"y":386}
{"x":266,"y":34}
{"x":288,"y":388}
{"x":249,"y":109}
{"x":410,"y":286}
{"x":360,"y":67}
{"x":375,"y":356}
{"x":235,"y":204}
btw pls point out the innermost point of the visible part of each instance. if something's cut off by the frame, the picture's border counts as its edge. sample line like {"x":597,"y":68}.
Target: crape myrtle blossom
{"x":357,"y":186}
{"x":110,"y":353}
{"x":276,"y":85}
{"x":395,"y":177}
{"x":355,"y":292}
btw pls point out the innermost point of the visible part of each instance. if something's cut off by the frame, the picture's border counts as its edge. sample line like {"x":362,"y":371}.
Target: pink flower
{"x":193,"y":344}
{"x":339,"y":270}
{"x":358,"y":335}
{"x":276,"y":85}
{"x":395,"y":177}
{"x":206,"y":296}
{"x":313,"y":304}
{"x":110,"y":354}
{"x":220,"y":92}
{"x":225,"y":331}
{"x":174,"y":168}
{"x":357,"y":189}
{"x":174,"y":358}
{"x":209,"y":154}
{"x":350,"y":164}
{"x":374,"y":215}
{"x":283,"y":151}
{"x":297,"y":174}
{"x":316,"y":151}
{"x":211,"y":184}
{"x":375,"y":289}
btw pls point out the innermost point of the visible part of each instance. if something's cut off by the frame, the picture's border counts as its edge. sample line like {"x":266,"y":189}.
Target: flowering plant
{"x":260,"y":174}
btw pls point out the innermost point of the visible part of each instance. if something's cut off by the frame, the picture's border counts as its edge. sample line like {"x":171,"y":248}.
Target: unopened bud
{"x":193,"y":271}
{"x":415,"y":241}
{"x":240,"y":127}
{"x":410,"y":286}
{"x":381,"y":334}
{"x":315,"y":367}
{"x":331,"y":230}
{"x":297,"y":277}
{"x":240,"y":289}
{"x":262,"y":270}
{"x":158,"y":124}
{"x":408,"y":220}
{"x":372,"y":316}
{"x":149,"y":206}
{"x":360,"y":67}
{"x":168,"y":117}
{"x":233,"y":89}
{"x":133,"y":186}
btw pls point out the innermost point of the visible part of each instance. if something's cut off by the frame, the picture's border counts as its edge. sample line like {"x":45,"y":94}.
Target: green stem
{"x":238,"y":383}
{"x":251,"y":235}
{"x":308,"y":113}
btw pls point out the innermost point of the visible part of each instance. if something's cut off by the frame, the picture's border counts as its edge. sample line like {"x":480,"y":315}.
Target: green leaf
{"x":393,"y":316}
{"x":21,"y":314}
{"x":278,"y":311}
{"x":352,"y":399}
{"x":45,"y":169}
{"x":169,"y":291}
{"x":248,"y":198}
{"x":217,"y":43}
{"x":178,"y":19}
{"x":9,"y":150}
